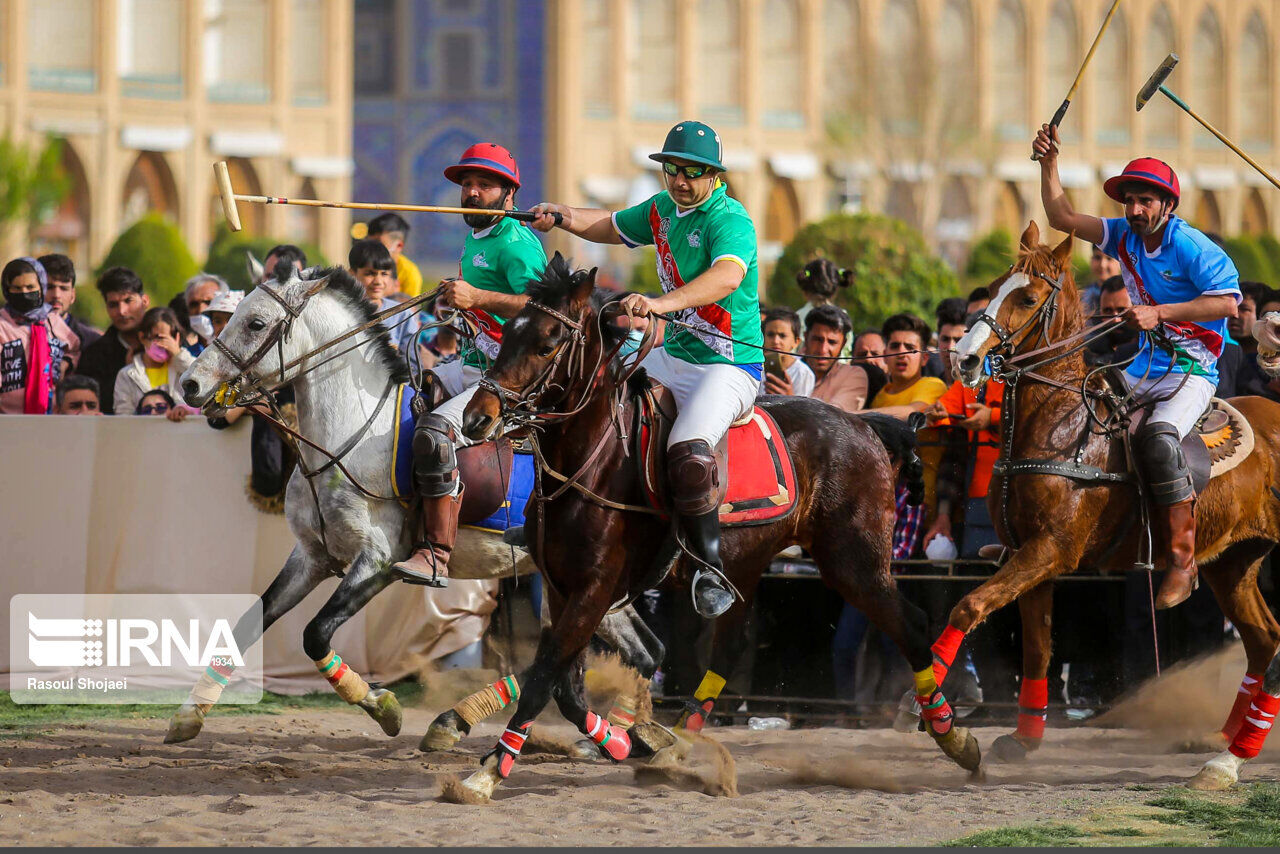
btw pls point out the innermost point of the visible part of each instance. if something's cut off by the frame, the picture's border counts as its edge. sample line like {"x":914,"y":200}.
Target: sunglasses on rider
{"x":692,"y":171}
{"x":153,"y":409}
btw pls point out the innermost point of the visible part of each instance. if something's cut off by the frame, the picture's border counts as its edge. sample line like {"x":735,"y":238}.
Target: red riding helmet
{"x":486,"y":157}
{"x":1145,"y":170}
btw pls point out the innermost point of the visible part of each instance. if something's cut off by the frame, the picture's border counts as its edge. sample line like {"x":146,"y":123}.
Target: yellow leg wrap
{"x":623,"y":713}
{"x":926,"y":684}
{"x":488,"y":700}
{"x":710,"y":688}
{"x":206,"y":691}
{"x":346,"y":682}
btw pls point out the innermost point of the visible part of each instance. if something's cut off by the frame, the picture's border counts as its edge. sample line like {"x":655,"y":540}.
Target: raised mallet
{"x":1155,"y":83}
{"x":230,"y":198}
{"x":1066,"y":102}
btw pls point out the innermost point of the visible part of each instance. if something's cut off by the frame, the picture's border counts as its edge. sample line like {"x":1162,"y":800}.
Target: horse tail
{"x":899,"y":439}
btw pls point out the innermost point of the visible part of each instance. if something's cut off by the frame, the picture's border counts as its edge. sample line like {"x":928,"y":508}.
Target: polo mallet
{"x":1066,"y":102}
{"x":1155,"y":83}
{"x":230,"y":198}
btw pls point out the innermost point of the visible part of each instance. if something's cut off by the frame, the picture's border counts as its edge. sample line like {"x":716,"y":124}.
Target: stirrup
{"x":409,"y":576}
{"x":715,"y":604}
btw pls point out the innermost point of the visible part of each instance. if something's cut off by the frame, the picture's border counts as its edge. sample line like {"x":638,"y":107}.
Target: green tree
{"x":893,"y":269}
{"x":989,"y":257}
{"x":154,"y":249}
{"x":32,"y":183}
{"x":1250,"y":258}
{"x":1271,"y":248}
{"x":644,"y":273}
{"x":227,"y":255}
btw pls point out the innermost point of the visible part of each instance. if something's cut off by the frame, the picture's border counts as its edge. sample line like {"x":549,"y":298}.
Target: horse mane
{"x":556,"y":283}
{"x":349,"y":292}
{"x":1040,"y":260}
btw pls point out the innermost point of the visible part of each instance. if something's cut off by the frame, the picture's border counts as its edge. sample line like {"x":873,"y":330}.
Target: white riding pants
{"x":1184,"y":408}
{"x":459,"y":382}
{"x":709,"y":398}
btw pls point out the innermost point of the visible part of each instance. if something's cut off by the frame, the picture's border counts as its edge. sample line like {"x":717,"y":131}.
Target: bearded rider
{"x":1182,"y":284}
{"x":706,"y":257}
{"x":499,"y":259}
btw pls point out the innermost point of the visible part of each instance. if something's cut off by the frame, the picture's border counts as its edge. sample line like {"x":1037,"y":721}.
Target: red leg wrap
{"x":1257,"y":723}
{"x":944,"y":652}
{"x":1244,"y":696}
{"x":510,"y":743}
{"x":936,"y":712}
{"x":1033,"y":707}
{"x":613,"y":740}
{"x":698,"y":719}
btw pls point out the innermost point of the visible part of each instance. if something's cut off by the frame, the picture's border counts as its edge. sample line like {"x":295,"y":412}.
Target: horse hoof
{"x":481,"y":785}
{"x":961,"y":747}
{"x":185,"y":725}
{"x":585,"y":748}
{"x":445,"y":731}
{"x":648,"y":738}
{"x":907,"y":718}
{"x":384,"y":708}
{"x":1218,"y":774}
{"x":1008,"y":748}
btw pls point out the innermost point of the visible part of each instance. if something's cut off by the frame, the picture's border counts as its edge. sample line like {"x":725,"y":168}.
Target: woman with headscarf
{"x":37,"y":348}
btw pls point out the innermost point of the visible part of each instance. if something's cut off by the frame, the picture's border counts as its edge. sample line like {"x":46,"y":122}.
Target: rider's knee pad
{"x":435,"y":462}
{"x":694,"y":478}
{"x":1164,"y":464}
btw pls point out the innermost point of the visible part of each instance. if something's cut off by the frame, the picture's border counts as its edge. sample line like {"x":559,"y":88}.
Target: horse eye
{"x":1029,"y":301}
{"x":257,"y":324}
{"x":546,"y":350}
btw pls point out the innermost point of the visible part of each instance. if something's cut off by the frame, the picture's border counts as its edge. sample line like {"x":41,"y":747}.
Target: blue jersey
{"x":1187,"y":265}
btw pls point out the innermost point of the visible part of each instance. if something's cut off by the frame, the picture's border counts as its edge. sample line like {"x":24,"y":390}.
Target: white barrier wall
{"x":142,"y":505}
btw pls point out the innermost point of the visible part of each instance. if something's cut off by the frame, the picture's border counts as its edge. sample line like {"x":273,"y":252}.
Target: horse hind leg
{"x":450,"y":726}
{"x":1223,"y":771}
{"x":1035,"y":607}
{"x":298,"y":577}
{"x":362,"y":582}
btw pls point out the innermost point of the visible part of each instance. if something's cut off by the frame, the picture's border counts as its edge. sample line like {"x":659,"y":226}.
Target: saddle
{"x":498,"y":480}
{"x":757,"y":476}
{"x":1221,"y":440}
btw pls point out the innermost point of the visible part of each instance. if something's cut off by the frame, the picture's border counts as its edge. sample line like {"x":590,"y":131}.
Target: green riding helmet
{"x":695,"y":142}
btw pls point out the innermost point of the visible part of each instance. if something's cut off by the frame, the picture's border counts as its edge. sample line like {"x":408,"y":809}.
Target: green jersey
{"x":688,"y":243}
{"x":505,"y":257}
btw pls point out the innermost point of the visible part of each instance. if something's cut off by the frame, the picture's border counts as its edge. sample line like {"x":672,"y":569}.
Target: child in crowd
{"x":157,"y":365}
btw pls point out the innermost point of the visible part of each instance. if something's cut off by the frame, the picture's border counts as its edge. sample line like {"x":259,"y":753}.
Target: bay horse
{"x":1065,"y":500}
{"x":595,"y":549}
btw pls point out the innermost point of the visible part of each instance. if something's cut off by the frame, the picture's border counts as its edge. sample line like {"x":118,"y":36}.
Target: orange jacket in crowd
{"x":956,"y":401}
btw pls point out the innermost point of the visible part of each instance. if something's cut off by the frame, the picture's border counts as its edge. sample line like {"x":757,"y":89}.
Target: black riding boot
{"x":695,"y":493}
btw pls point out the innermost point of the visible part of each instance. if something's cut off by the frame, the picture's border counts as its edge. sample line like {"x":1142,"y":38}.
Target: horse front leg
{"x":559,"y":646}
{"x":297,"y":578}
{"x":1036,"y":610}
{"x":364,"y":580}
{"x":1223,"y":771}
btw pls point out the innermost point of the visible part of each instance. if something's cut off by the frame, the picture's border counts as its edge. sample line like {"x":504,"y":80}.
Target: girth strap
{"x":1075,"y":471}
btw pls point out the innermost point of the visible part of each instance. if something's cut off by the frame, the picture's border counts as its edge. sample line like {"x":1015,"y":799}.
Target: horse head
{"x":1034,"y":304}
{"x":1266,"y":331}
{"x":257,"y":344}
{"x":544,"y":350}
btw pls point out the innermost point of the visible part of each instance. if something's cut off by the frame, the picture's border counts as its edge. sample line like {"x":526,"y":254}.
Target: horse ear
{"x":584,"y":282}
{"x":255,"y":267}
{"x":1031,"y":237}
{"x":1062,"y":252}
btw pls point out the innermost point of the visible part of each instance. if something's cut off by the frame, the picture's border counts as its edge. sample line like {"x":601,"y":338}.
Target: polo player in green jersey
{"x":712,"y":360}
{"x":499,"y":259}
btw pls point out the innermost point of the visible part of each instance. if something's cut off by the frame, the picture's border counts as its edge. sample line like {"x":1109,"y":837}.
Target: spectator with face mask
{"x":77,"y":395}
{"x":36,"y":346}
{"x":197,"y":295}
{"x":121,"y":290}
{"x":61,"y":295}
{"x":157,"y":365}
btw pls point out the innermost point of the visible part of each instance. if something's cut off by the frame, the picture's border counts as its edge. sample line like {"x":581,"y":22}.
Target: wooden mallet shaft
{"x":1066,"y":102}
{"x":230,"y":198}
{"x":1155,"y":83}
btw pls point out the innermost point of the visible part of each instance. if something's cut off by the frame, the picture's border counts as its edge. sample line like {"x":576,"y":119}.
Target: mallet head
{"x":1156,"y":80}
{"x":228,"y":196}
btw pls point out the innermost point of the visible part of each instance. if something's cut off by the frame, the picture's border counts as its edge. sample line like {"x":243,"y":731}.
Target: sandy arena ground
{"x":329,"y":777}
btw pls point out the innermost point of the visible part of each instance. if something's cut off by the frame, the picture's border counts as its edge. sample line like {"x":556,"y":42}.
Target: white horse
{"x":346,"y":402}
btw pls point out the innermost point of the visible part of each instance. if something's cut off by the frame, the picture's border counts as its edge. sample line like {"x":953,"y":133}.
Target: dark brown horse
{"x":1073,"y":503}
{"x":593,"y":555}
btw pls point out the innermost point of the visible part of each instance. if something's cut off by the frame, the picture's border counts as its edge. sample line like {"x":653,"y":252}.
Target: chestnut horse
{"x":555,"y":373}
{"x":1068,"y":501}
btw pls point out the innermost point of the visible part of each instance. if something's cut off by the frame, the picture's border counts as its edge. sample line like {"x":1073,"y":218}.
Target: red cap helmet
{"x":486,"y":157}
{"x":1145,"y":170}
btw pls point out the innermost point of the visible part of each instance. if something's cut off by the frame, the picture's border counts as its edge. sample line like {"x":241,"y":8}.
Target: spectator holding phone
{"x":784,"y":373}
